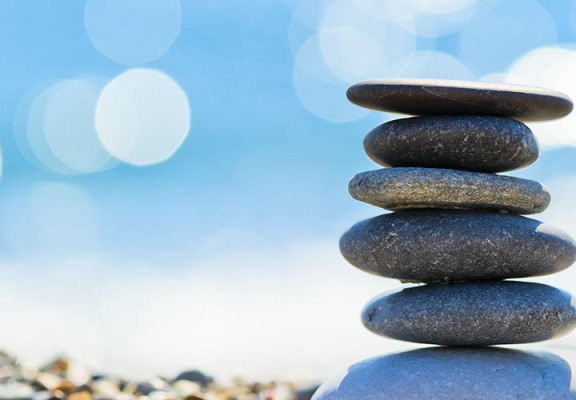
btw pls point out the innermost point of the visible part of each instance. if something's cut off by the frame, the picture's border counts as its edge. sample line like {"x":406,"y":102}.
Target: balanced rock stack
{"x":456,"y":228}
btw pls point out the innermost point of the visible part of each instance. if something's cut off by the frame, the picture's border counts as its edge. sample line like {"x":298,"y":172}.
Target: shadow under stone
{"x":454,"y":373}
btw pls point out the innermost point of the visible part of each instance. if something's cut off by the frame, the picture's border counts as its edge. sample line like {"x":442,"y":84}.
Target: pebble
{"x":456,"y":245}
{"x":444,"y":373}
{"x":15,"y":390}
{"x":405,"y":188}
{"x":28,"y":382}
{"x":444,"y":97}
{"x":106,"y":387}
{"x":472,"y":143}
{"x":7,"y":359}
{"x":48,"y":381}
{"x":184,"y":388}
{"x":306,"y":393}
{"x":472,"y":313}
{"x":195,"y":376}
{"x":147,"y":387}
{"x":83,"y":395}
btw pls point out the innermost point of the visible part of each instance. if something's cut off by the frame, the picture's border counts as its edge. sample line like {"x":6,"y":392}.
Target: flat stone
{"x":195,"y":376}
{"x":445,"y":373}
{"x":456,"y":245}
{"x":473,"y":143}
{"x":444,"y":97}
{"x":472,"y":313}
{"x":405,"y":188}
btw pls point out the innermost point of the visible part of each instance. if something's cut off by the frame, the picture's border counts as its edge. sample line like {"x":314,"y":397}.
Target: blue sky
{"x":246,"y":213}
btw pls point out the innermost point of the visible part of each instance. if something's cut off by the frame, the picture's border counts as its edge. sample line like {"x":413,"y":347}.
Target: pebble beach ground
{"x":65,"y":379}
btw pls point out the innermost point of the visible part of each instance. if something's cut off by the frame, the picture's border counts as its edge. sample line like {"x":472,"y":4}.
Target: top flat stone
{"x":444,"y":97}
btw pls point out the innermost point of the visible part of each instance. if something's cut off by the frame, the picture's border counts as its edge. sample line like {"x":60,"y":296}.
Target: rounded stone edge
{"x":373,"y":306}
{"x":351,"y":244}
{"x":404,"y":192}
{"x":558,"y":101}
{"x":436,"y":373}
{"x":376,"y":150}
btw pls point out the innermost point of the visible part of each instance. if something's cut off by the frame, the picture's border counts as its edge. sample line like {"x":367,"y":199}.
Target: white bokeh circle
{"x":318,"y":90}
{"x":549,"y":67}
{"x":492,"y":42}
{"x":33,"y":136}
{"x":350,"y":53}
{"x":133,"y":31}
{"x":69,"y":126}
{"x":54,"y":127}
{"x":355,"y":46}
{"x":143,"y":117}
{"x":435,"y":65}
{"x":440,"y":6}
{"x":423,"y":18}
{"x":308,"y":12}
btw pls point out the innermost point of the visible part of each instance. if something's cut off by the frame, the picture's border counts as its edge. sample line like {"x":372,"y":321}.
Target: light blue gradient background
{"x":258,"y":172}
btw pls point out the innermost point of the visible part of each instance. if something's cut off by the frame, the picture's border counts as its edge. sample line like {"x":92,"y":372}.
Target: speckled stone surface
{"x":444,"y":373}
{"x":443,"y":97}
{"x":404,"y":188}
{"x":455,"y":245}
{"x":472,"y":313}
{"x":473,"y":143}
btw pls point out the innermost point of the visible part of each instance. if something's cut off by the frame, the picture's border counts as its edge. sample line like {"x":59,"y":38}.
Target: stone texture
{"x":454,"y":374}
{"x":443,"y":97}
{"x":405,"y":188}
{"x":472,"y":313}
{"x":455,"y":245}
{"x":473,"y":143}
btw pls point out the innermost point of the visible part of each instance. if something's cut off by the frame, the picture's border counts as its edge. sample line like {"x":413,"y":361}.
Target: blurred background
{"x":174,"y":172}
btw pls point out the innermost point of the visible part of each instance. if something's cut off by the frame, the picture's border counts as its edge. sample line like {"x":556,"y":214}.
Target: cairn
{"x":457,"y":229}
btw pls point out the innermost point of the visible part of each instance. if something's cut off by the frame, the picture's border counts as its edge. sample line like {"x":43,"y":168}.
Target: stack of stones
{"x":457,"y":230}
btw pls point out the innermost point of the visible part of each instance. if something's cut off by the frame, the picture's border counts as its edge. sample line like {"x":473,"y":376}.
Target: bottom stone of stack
{"x":447,"y":373}
{"x":472,"y":313}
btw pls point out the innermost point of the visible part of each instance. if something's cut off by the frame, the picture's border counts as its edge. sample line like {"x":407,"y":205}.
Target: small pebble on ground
{"x":65,"y":379}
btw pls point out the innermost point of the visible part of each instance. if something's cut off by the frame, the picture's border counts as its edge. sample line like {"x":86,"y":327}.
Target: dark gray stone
{"x":454,"y":245}
{"x":306,"y":393}
{"x":443,"y":97}
{"x":472,"y":313}
{"x":145,"y":388}
{"x":405,"y":188}
{"x":444,"y":373}
{"x":473,"y":143}
{"x":195,"y":376}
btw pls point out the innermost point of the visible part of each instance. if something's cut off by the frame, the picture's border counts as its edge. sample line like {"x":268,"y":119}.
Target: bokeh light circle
{"x":423,"y":18}
{"x":30,"y":130}
{"x":133,"y":31}
{"x":319,"y":91}
{"x":143,"y":116}
{"x":308,"y":12}
{"x":54,"y":127}
{"x":440,"y":6}
{"x":69,"y":126}
{"x":550,"y":67}
{"x":350,"y":53}
{"x":435,"y":65}
{"x":492,"y":42}
{"x":356,"y":45}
